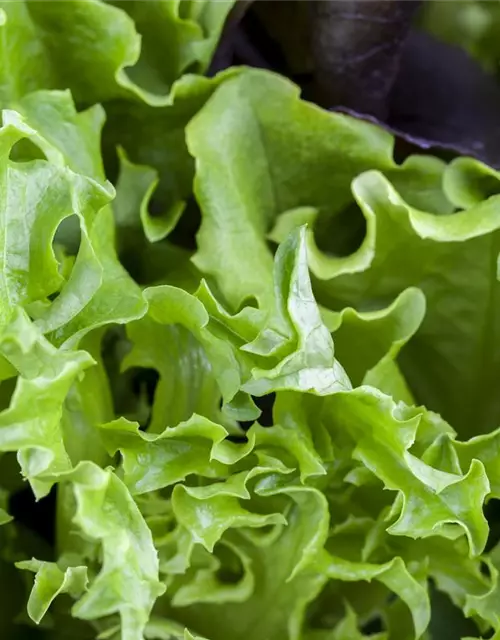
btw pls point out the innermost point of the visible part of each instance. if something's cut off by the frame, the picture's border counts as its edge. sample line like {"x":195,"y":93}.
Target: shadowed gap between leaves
{"x":447,"y":621}
{"x":265,"y":404}
{"x":341,"y":234}
{"x":492,"y":514}
{"x":39,"y":517}
{"x":133,"y":395}
{"x":184,"y":233}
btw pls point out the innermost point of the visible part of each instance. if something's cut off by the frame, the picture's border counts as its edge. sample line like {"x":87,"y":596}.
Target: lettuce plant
{"x":249,"y":360}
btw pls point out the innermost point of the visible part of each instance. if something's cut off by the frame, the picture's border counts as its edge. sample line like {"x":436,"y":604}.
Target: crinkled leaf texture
{"x":128,"y":60}
{"x":235,"y":444}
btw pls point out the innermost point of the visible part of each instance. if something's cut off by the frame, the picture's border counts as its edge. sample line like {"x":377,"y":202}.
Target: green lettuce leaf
{"x":281,"y":154}
{"x":394,"y":575}
{"x":368,"y":343}
{"x":311,"y":367}
{"x":113,"y":63}
{"x":397,"y":237}
{"x":51,"y":581}
{"x":97,"y":290}
{"x":187,"y":384}
{"x":32,"y":423}
{"x":223,"y":444}
{"x":272,"y":564}
{"x":381,"y":436}
{"x":128,"y":581}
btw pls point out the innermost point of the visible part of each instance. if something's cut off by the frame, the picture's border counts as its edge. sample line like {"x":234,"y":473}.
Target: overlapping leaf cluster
{"x":354,"y":299}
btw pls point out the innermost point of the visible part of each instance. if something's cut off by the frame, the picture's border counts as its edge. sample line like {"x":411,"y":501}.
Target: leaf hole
{"x":69,"y":235}
{"x":25,"y":150}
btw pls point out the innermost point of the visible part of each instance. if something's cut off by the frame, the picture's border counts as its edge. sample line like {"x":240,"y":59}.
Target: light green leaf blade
{"x":429,"y":500}
{"x":187,"y":383}
{"x":128,"y":582}
{"x":117,"y":299}
{"x":32,"y":423}
{"x":135,"y":189}
{"x":397,"y":238}
{"x":394,"y":575}
{"x":469,"y":182}
{"x":367,"y":343}
{"x":153,"y":462}
{"x":208,"y":517}
{"x":66,"y":136}
{"x":311,"y":367}
{"x":277,"y":607}
{"x":268,"y":152}
{"x":51,"y":581}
